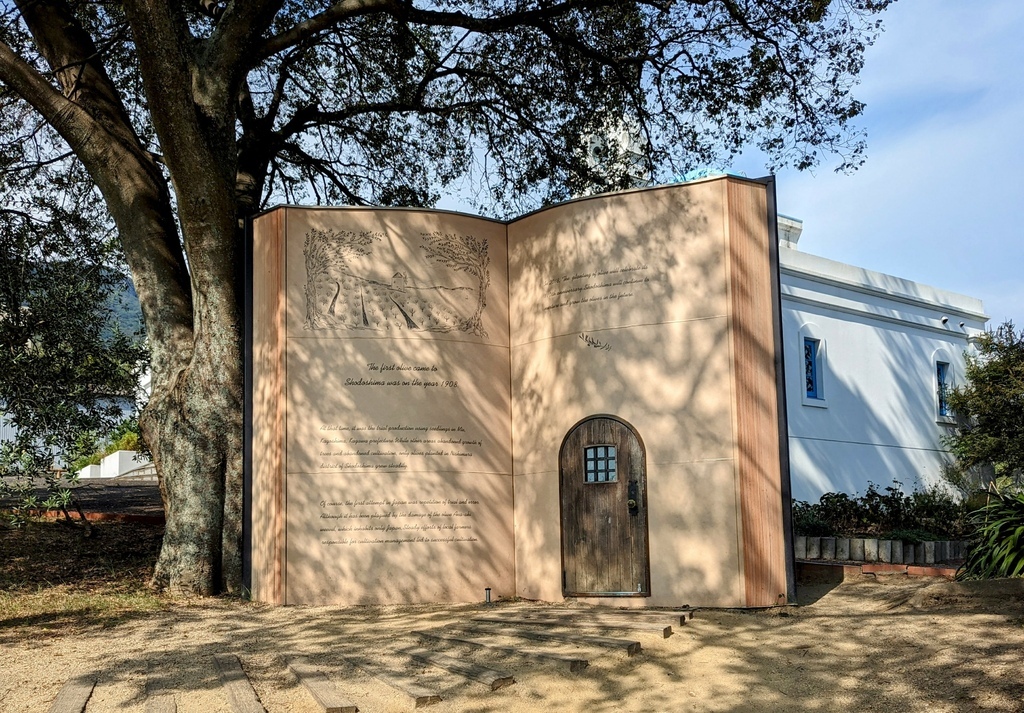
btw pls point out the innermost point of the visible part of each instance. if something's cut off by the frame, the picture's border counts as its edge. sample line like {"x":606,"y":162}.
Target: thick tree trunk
{"x":196,"y":423}
{"x":193,"y":422}
{"x":195,"y":432}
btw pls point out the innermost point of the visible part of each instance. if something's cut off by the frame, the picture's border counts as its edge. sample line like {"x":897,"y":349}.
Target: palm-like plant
{"x":997,"y":545}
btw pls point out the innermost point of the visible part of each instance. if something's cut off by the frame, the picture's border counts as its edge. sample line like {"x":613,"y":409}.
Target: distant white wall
{"x":117,"y":464}
{"x":877,"y":416}
{"x":7,"y":431}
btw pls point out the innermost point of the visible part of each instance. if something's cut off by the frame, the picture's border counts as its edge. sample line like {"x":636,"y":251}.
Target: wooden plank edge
{"x":630,"y":647}
{"x":240,"y":693}
{"x":321,"y":688}
{"x":467,"y":669}
{"x":161,"y":703}
{"x":575,"y":663}
{"x":682,"y":613}
{"x":665,"y":631}
{"x":74,"y":695}
{"x":420,"y":695}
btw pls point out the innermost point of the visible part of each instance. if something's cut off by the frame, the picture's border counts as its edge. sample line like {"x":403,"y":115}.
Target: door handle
{"x":633,"y":497}
{"x":631,"y":504}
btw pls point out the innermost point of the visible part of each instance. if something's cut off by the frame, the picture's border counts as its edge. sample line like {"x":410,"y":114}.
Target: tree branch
{"x":130,"y":182}
{"x":404,"y":10}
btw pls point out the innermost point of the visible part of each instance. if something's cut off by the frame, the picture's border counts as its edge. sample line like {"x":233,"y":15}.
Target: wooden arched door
{"x":602,"y":474}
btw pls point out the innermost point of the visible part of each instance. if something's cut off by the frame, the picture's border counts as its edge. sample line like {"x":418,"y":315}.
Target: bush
{"x":997,"y":542}
{"x":807,"y":521}
{"x":922,"y":515}
{"x":988,"y":441}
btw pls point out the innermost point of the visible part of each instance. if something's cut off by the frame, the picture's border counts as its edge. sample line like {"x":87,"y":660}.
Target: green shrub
{"x":127,"y":442}
{"x":938,"y":511}
{"x":912,"y":537}
{"x":935,"y":513}
{"x":806,"y":520}
{"x":93,"y":459}
{"x":997,"y":542}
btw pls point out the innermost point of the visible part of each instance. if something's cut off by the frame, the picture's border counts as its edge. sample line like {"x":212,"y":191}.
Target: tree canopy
{"x":68,"y":367}
{"x":990,"y":413}
{"x":188,"y":117}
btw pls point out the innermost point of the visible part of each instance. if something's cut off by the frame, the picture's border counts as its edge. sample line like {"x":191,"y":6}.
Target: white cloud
{"x":941,"y":198}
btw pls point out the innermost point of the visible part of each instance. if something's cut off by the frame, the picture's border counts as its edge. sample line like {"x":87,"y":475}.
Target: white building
{"x":865,"y":356}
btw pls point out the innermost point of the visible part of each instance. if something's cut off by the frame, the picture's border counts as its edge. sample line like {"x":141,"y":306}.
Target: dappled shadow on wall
{"x":880,"y":424}
{"x":659,"y":358}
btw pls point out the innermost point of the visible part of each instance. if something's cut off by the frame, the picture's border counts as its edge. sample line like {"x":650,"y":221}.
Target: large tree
{"x":988,"y":441}
{"x":190,"y":115}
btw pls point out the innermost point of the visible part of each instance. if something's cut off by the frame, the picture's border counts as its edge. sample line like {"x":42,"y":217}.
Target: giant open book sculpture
{"x":580,"y":402}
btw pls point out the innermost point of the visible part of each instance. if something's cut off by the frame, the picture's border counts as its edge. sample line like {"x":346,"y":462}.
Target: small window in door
{"x":599,"y":462}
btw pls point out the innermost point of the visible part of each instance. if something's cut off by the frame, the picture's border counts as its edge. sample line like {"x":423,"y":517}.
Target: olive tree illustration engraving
{"x":463,"y":253}
{"x":326,"y":253}
{"x":338,"y":298}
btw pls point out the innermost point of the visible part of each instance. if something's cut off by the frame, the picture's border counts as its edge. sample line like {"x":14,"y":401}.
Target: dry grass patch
{"x":56,"y":577}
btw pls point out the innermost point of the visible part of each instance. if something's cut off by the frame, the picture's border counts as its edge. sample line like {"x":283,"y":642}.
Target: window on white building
{"x":942,"y":387}
{"x":813,"y":350}
{"x":812,"y":372}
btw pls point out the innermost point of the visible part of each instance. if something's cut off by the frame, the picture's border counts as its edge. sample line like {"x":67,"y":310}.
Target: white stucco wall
{"x":7,"y":431}
{"x":881,"y":337}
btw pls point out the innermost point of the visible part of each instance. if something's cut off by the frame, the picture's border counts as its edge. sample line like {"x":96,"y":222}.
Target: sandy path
{"x":868,"y":645}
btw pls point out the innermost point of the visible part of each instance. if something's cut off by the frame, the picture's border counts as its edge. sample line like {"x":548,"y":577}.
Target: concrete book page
{"x":579,"y":403}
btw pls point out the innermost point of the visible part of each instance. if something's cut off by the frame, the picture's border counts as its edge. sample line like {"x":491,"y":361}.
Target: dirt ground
{"x":874,"y":644}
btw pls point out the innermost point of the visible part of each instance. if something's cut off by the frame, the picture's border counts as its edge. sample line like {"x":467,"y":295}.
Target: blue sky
{"x":941,"y":197}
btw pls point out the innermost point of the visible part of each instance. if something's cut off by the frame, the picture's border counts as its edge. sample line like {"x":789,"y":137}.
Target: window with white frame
{"x":942,"y":387}
{"x":944,"y":371}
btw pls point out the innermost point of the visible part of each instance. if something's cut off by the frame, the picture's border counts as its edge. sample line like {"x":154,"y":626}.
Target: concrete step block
{"x":800,"y":547}
{"x":813,"y":548}
{"x":828,"y":548}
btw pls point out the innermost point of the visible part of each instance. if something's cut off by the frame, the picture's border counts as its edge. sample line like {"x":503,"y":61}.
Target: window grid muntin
{"x":600,"y":464}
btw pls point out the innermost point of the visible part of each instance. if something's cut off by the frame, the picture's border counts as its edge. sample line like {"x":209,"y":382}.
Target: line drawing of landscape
{"x":339,"y":298}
